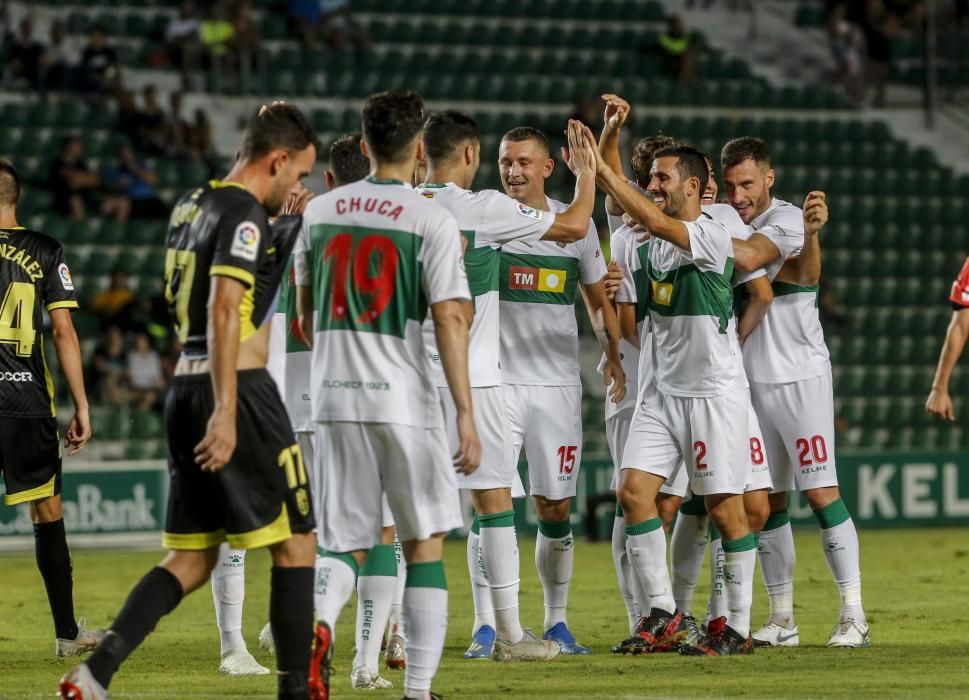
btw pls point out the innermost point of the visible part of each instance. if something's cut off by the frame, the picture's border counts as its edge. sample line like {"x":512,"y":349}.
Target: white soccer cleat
{"x":850,"y":634}
{"x":85,"y":641}
{"x":266,"y":642}
{"x":773,"y":635}
{"x":362,"y":678}
{"x":79,"y":684}
{"x":528,"y":648}
{"x":239,"y":662}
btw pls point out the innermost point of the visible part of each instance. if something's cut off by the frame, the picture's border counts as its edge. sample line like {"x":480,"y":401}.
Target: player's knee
{"x":554,"y":511}
{"x":819,"y":498}
{"x":778,"y":501}
{"x":667,"y":507}
{"x":758,"y":510}
{"x":46,"y":510}
{"x":298,"y":550}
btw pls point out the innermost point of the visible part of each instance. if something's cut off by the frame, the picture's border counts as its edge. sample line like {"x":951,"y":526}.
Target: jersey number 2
{"x":374,"y":261}
{"x":17,"y":317}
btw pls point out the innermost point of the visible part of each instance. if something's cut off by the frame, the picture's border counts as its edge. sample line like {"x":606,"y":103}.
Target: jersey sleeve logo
{"x":245,"y":241}
{"x":530,"y":213}
{"x":65,"y":274}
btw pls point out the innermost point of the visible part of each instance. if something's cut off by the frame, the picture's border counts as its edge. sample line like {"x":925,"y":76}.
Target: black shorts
{"x":262,"y":494}
{"x":30,"y":459}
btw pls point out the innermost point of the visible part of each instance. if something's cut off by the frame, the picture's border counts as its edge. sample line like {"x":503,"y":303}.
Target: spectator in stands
{"x":246,"y":40}
{"x":106,"y":374}
{"x":135,"y":181}
{"x":151,"y":123}
{"x":217,"y":32}
{"x":848,"y":48}
{"x":113,"y":305}
{"x":127,"y":122}
{"x":71,"y":183}
{"x":675,"y":46}
{"x":27,"y":56}
{"x":177,"y":129}
{"x":100,"y":72}
{"x":60,"y":59}
{"x":144,"y":374}
{"x":183,"y":41}
{"x":304,"y":17}
{"x":201,"y":142}
{"x":338,"y":26}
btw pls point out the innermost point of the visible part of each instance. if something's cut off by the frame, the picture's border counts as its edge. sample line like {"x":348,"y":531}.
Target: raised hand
{"x":815,"y":212}
{"x":580,"y":156}
{"x":617,"y":110}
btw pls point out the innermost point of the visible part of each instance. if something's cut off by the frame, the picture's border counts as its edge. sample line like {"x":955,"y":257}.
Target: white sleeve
{"x":710,"y":244}
{"x":592,"y":266}
{"x":623,"y":248}
{"x":505,"y":220}
{"x":785,"y":229}
{"x":301,"y":254}
{"x":444,"y":276}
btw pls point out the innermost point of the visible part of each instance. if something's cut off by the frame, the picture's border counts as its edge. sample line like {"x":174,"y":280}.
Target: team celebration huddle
{"x":353,"y":361}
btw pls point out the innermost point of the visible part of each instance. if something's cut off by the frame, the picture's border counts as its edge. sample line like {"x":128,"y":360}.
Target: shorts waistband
{"x":244,"y":376}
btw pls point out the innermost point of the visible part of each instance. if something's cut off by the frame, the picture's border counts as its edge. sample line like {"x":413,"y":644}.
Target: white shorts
{"x":365,"y":460}
{"x":547,"y":422}
{"x":709,"y":434}
{"x":386,"y":517}
{"x":617,"y":430}
{"x":497,"y":468}
{"x":797,"y":420}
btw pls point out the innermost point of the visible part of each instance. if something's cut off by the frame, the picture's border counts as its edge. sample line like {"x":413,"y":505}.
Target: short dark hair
{"x":9,"y":183}
{"x":738,"y":150}
{"x":347,"y":162}
{"x":528,"y":133}
{"x":642,"y":158}
{"x":391,"y":120}
{"x":279,"y":126}
{"x":446,"y":131}
{"x":692,"y":163}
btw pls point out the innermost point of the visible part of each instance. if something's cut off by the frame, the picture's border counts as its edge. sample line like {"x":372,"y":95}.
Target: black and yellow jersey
{"x":219,"y":229}
{"x":33,"y":276}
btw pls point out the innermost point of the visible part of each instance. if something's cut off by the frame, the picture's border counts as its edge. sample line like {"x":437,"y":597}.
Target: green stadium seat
{"x":146,"y":425}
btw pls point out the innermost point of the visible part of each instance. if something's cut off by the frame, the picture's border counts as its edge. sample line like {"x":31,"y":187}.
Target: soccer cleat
{"x":320,"y":660}
{"x":79,"y":684}
{"x":362,"y":678}
{"x":266,"y":641}
{"x":434,"y":696}
{"x":85,"y":641}
{"x":528,"y":648}
{"x":394,"y":655}
{"x":239,"y":662}
{"x":850,"y":634}
{"x":716,"y":626}
{"x":657,"y":633}
{"x":560,"y":633}
{"x":483,"y":643}
{"x":727,"y":643}
{"x":773,"y":635}
{"x":690,"y":629}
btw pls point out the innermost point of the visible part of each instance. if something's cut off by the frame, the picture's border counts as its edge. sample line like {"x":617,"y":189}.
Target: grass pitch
{"x":915,"y":588}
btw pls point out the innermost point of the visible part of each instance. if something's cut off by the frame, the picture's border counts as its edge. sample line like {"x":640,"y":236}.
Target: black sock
{"x":54,"y":562}
{"x":291,"y":617}
{"x":156,"y":595}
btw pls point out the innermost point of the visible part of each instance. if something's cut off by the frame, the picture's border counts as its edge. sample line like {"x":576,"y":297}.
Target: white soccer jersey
{"x":539,"y":286}
{"x":488,"y":220}
{"x":631,"y":254}
{"x":376,"y":255}
{"x":728,"y":216}
{"x":620,"y":240}
{"x":289,"y":357}
{"x":788,"y":344}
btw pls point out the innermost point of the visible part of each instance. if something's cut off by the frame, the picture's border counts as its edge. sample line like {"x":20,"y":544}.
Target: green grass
{"x":915,"y":588}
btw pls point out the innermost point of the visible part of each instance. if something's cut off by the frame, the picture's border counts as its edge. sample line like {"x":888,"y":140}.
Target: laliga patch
{"x":531,"y":213}
{"x":65,"y":274}
{"x":245,"y":241}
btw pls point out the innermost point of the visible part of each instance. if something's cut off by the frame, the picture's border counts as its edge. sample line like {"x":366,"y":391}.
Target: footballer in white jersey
{"x":791,"y":388}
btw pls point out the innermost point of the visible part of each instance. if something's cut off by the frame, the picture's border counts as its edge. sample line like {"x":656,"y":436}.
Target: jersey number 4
{"x":371,"y":269}
{"x":17,"y":317}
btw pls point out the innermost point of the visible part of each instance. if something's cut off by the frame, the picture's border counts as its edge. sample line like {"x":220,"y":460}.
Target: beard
{"x":275,"y":200}
{"x":674,"y":204}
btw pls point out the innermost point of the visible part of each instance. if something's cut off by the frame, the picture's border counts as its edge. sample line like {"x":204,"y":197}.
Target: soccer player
{"x":372,"y":257}
{"x":540,"y":364}
{"x":237,"y":473}
{"x":33,"y":276}
{"x":488,"y":220}
{"x":789,"y":369}
{"x":939,"y":403}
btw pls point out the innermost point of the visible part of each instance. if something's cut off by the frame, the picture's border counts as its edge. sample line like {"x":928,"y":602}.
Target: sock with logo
{"x":717,"y":607}
{"x":776,"y":554}
{"x":375,"y":591}
{"x":624,"y":573}
{"x":291,"y":620}
{"x":395,"y":624}
{"x":646,"y":545}
{"x":54,"y":563}
{"x":554,"y":556}
{"x":739,"y":559}
{"x":688,"y":544}
{"x":499,"y":555}
{"x":840,"y":541}
{"x":484,"y":611}
{"x":228,"y":593}
{"x":425,"y":617}
{"x":336,"y":575}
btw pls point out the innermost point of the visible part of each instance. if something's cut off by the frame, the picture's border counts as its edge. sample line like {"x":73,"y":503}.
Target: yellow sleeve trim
{"x":194,"y":541}
{"x":62,"y":305}
{"x":236,"y":273}
{"x":276,"y":531}
{"x":34,"y":494}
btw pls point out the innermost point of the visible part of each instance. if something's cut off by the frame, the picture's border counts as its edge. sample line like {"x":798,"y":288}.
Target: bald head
{"x":9,"y":184}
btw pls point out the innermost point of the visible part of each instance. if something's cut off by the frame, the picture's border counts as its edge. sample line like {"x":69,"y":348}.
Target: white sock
{"x":717,"y":607}
{"x":425,"y":617}
{"x":739,"y":559}
{"x":499,"y":555}
{"x":840,"y":540}
{"x":228,"y":593}
{"x":776,"y":555}
{"x":646,"y":545}
{"x":375,"y":591}
{"x":554,"y":556}
{"x":624,"y":572}
{"x":687,"y":546}
{"x":484,"y":610}
{"x":395,"y":622}
{"x":336,"y":575}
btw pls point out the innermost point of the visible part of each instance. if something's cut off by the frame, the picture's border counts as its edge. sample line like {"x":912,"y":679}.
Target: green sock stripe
{"x":644,"y":527}
{"x":504,"y":519}
{"x":695,"y":506}
{"x":618,"y":510}
{"x":714,"y":532}
{"x":381,"y":561}
{"x":744,"y":544}
{"x":475,"y":525}
{"x":776,"y":520}
{"x":426,"y":574}
{"x":832,"y":514}
{"x":555,"y":530}
{"x":345,"y":557}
